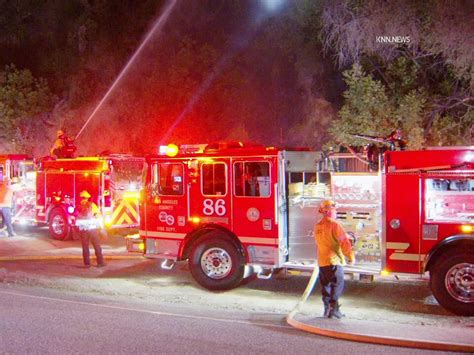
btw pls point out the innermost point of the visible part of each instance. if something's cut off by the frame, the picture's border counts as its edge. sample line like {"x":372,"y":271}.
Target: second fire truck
{"x":231,"y":210}
{"x":112,"y":181}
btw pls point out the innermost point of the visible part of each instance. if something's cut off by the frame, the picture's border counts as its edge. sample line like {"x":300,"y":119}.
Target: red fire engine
{"x":113,"y":182}
{"x":232,"y":210}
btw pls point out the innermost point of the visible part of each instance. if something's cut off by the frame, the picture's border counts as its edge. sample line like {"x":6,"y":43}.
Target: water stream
{"x":159,"y":23}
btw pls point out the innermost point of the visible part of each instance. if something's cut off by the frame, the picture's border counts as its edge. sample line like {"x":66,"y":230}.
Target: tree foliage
{"x":25,"y":102}
{"x":429,"y":80}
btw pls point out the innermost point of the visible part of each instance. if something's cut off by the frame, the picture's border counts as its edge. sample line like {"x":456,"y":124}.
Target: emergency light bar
{"x":170,"y":150}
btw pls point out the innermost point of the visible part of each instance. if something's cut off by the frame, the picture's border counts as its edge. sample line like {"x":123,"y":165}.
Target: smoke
{"x":156,"y":28}
{"x":226,"y":71}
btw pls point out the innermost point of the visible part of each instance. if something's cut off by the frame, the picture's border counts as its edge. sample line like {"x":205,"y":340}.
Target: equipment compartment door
{"x":59,"y":187}
{"x":402,"y":223}
{"x":40,"y":197}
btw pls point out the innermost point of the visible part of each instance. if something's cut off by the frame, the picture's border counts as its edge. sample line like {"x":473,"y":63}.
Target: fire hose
{"x":363,"y":338}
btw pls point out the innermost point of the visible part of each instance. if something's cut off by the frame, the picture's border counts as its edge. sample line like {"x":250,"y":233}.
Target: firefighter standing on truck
{"x":333,"y":246}
{"x":88,"y":224}
{"x":63,"y":146}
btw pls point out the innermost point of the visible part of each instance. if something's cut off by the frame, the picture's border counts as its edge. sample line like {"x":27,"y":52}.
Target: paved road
{"x":35,"y":320}
{"x":160,"y":310}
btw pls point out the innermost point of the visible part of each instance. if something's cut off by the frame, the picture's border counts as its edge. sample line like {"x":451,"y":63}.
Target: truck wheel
{"x":452,"y":282}
{"x":58,"y":225}
{"x":216,"y":263}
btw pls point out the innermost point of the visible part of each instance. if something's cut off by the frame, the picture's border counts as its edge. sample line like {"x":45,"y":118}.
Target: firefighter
{"x":63,"y":146}
{"x":88,"y":224}
{"x":332,"y":248}
{"x":395,"y":139}
{"x":6,"y":204}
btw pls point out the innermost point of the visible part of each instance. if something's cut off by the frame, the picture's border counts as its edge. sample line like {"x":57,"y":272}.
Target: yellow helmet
{"x":85,"y":194}
{"x":326,"y":205}
{"x":59,"y":133}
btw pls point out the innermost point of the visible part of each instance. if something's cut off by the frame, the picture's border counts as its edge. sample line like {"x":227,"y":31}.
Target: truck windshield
{"x":127,"y":174}
{"x":168,"y":177}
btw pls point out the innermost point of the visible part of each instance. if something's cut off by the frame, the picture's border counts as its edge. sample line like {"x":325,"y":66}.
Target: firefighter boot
{"x":327,"y":310}
{"x":335,"y":312}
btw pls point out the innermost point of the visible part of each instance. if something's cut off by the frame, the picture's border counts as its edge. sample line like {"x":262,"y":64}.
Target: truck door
{"x":254,"y":201}
{"x":402,"y":223}
{"x":165,"y":205}
{"x":209,"y":193}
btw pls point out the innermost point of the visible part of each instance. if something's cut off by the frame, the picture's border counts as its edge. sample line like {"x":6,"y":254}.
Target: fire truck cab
{"x":113,"y":182}
{"x":232,"y":210}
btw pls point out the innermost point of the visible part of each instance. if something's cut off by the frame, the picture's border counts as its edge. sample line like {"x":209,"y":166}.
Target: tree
{"x":369,"y":110}
{"x":25,"y":104}
{"x":435,"y":65}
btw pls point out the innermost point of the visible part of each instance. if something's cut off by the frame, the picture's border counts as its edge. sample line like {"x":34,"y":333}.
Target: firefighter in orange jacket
{"x":332,"y":248}
{"x":88,"y":224}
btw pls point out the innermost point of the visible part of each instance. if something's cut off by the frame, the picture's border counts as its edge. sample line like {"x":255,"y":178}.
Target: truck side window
{"x":449,"y":200}
{"x":252,"y":179}
{"x":213,"y":179}
{"x":15,"y":170}
{"x":170,"y":179}
{"x":153,"y":186}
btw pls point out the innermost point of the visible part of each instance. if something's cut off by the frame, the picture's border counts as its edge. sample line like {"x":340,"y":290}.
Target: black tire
{"x":216,"y":263}
{"x":452,"y":279}
{"x":59,"y":227}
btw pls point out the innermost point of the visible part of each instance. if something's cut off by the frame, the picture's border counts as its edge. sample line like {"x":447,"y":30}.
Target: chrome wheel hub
{"x":58,"y":224}
{"x":216,"y":263}
{"x":459,"y":282}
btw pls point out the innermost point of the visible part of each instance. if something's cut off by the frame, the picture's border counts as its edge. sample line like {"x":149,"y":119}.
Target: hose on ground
{"x":371,"y":339}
